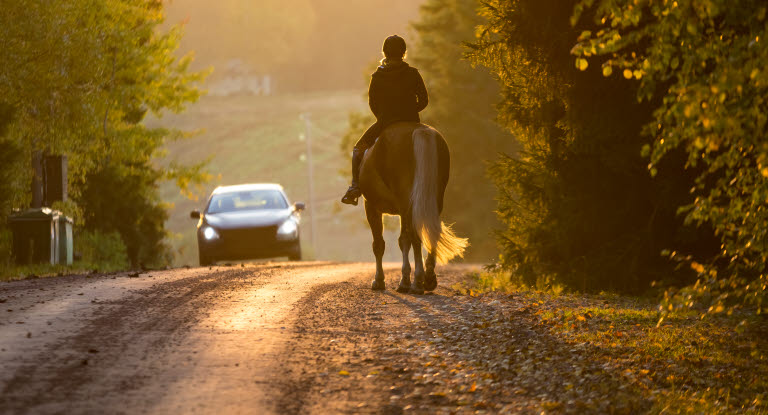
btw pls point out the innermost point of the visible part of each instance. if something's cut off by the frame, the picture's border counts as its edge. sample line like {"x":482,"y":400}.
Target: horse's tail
{"x":437,"y":237}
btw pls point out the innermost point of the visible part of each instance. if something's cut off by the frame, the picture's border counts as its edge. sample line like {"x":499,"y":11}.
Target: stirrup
{"x":351,"y":197}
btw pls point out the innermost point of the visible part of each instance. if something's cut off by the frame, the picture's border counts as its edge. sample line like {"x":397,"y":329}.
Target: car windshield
{"x":247,"y":200}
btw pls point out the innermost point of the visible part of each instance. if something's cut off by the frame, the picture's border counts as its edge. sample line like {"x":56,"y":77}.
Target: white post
{"x":266,"y":85}
{"x":311,"y":173}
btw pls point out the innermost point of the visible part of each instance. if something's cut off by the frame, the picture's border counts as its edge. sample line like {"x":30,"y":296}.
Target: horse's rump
{"x":406,"y":173}
{"x":387,"y":168}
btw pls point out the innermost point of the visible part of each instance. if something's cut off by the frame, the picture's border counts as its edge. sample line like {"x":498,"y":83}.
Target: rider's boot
{"x":353,"y":193}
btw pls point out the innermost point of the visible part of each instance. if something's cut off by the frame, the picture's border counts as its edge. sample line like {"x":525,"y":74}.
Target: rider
{"x":397,"y":93}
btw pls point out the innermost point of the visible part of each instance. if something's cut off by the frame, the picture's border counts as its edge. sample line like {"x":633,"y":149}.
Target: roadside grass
{"x":98,"y":252}
{"x":502,"y":281}
{"x":685,"y":364}
{"x":21,"y":272}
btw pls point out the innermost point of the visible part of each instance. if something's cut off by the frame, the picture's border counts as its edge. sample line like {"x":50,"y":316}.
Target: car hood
{"x":247,"y":218}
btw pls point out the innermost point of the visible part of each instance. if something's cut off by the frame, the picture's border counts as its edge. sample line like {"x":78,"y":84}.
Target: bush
{"x":102,"y":251}
{"x":124,"y":199}
{"x":12,"y":172}
{"x":578,"y":203}
{"x":709,"y":60}
{"x":6,"y":240}
{"x":462,"y":99}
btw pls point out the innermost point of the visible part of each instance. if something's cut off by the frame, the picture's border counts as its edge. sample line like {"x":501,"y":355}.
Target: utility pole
{"x":311,"y":176}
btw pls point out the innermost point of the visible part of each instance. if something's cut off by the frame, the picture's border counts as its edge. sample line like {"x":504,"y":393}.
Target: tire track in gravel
{"x":133,"y":349}
{"x":346,"y":354}
{"x":65,"y":372}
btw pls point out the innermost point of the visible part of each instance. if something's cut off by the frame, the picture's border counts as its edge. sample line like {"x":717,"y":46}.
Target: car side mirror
{"x":298,"y":206}
{"x":195,"y":214}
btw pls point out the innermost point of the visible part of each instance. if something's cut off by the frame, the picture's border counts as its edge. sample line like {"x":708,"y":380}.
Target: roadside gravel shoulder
{"x":359,"y":351}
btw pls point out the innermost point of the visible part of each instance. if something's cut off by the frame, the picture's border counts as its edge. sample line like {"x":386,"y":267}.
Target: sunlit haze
{"x":303,"y":44}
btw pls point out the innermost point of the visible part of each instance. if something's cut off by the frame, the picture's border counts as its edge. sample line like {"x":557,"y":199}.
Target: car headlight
{"x":210,"y":234}
{"x":288,"y":230}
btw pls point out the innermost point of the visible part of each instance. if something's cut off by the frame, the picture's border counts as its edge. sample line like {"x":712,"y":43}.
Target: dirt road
{"x":182,"y":341}
{"x":288,"y":338}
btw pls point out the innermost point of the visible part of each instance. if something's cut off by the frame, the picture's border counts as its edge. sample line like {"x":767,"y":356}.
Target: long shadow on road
{"x":385,"y":352}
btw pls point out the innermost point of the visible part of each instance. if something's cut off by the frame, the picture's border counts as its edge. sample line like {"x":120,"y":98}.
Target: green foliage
{"x":462,"y":100}
{"x":504,"y":281}
{"x":11,"y":164}
{"x":6,"y":241}
{"x":10,"y":160}
{"x":102,"y":251}
{"x":703,"y":62}
{"x":579,"y":206}
{"x":123,"y":200}
{"x":10,"y":167}
{"x":79,"y":77}
{"x":99,"y":251}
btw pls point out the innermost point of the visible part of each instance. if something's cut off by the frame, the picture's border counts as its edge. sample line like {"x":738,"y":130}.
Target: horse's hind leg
{"x":418,"y":276}
{"x":377,"y":229}
{"x":405,"y":246}
{"x":430,"y":278}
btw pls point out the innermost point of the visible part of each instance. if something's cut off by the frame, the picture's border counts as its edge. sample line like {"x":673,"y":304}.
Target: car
{"x":248,"y":221}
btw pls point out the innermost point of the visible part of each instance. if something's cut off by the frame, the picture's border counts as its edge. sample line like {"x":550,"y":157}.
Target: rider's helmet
{"x":394,"y":47}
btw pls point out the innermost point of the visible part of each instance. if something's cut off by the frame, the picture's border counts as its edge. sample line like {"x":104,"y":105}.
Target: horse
{"x":405,"y":174}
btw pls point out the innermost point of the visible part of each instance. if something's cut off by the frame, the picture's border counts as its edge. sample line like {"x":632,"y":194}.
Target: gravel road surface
{"x":292,"y":338}
{"x":254,"y":338}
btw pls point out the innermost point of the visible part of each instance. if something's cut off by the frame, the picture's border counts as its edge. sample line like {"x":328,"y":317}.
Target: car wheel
{"x":296,"y":254}
{"x":205,"y":260}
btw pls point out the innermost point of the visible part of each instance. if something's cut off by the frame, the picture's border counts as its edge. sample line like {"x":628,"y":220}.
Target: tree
{"x":10,"y":160}
{"x":123,"y":198}
{"x":703,"y":64}
{"x":462,"y":100}
{"x":80,"y":75}
{"x":578,"y":204}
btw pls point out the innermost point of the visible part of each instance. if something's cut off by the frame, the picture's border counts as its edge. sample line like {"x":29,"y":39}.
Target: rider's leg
{"x":365,"y":142}
{"x":353,"y":193}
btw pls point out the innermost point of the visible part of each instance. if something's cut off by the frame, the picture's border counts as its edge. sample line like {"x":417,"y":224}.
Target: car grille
{"x":249,"y":237}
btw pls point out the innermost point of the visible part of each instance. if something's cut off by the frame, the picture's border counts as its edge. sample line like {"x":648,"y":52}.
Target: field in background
{"x":254,"y":139}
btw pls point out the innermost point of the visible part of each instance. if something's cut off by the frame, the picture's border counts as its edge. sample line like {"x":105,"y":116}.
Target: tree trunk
{"x":37,"y":179}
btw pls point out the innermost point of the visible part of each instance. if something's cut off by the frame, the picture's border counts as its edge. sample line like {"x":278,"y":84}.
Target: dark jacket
{"x":397,"y":93}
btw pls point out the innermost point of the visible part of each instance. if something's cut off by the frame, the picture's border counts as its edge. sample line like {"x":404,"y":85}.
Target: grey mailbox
{"x":41,"y":236}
